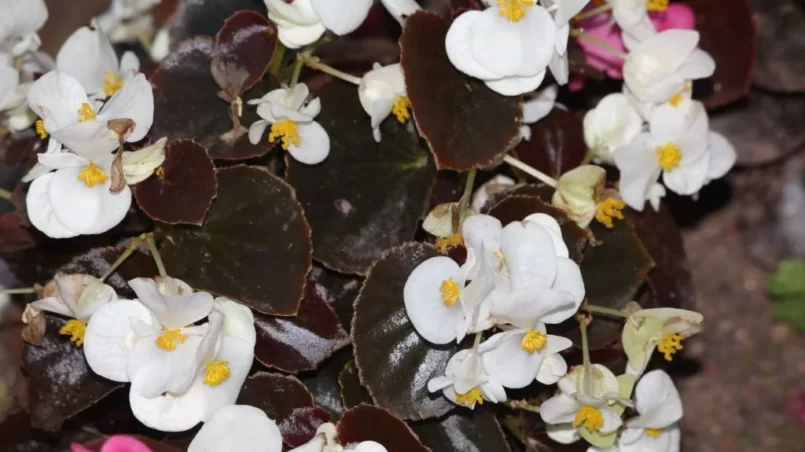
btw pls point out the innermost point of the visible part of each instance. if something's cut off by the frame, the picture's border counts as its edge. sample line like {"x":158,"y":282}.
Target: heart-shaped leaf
{"x":780,"y":27}
{"x":182,"y":189}
{"x":468,"y":431}
{"x":187,"y":105}
{"x":294,"y":344}
{"x":205,"y":18}
{"x":371,"y":423}
{"x":243,"y":51}
{"x":466,"y":124}
{"x":14,"y":235}
{"x":254,"y":246}
{"x":556,"y":145}
{"x":366,"y":197}
{"x":393,"y":361}
{"x":60,"y":382}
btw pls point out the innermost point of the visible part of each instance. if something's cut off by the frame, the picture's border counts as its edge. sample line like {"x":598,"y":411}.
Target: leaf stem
{"x":593,"y":12}
{"x":152,"y":246}
{"x":531,"y":171}
{"x":608,"y":311}
{"x":579,"y":33}
{"x":133,"y":245}
{"x":5,"y":194}
{"x":297,"y":70}
{"x":276,"y":60}
{"x":465,"y":198}
{"x":585,"y":352}
{"x":522,"y":405}
{"x":315,"y":63}
{"x":20,"y":291}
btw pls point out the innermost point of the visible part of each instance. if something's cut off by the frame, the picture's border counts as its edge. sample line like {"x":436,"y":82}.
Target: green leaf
{"x":791,"y":311}
{"x":597,"y":439}
{"x":788,"y":280}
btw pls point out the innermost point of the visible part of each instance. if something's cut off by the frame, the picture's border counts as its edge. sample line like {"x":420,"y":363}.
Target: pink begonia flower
{"x":118,"y":443}
{"x":603,"y":27}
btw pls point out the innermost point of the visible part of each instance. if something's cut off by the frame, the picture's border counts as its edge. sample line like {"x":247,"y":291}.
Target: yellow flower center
{"x":75,"y":329}
{"x":514,"y":10}
{"x":217,"y":373}
{"x":534,"y":341}
{"x":677,"y":98}
{"x":167,"y":341}
{"x":470,"y":397}
{"x":92,"y":175}
{"x":450,"y":291}
{"x":112,"y":84}
{"x":449,"y":242}
{"x":400,"y":109}
{"x":40,"y":129}
{"x":668,"y":156}
{"x":285,"y":130}
{"x":654,"y":432}
{"x":86,"y":112}
{"x":657,"y":5}
{"x":609,"y":209}
{"x":590,"y":417}
{"x":670,"y":344}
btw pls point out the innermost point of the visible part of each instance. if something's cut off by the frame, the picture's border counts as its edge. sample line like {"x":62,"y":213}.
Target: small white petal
{"x":722,"y":156}
{"x":237,"y":428}
{"x":639,"y":168}
{"x":553,"y":368}
{"x":314,"y":144}
{"x":109,"y":338}
{"x":256,"y":130}
{"x":40,"y":209}
{"x":172,"y":311}
{"x":559,"y":409}
{"x":458,"y":43}
{"x":424,"y":305}
{"x":342,"y":16}
{"x":88,"y":55}
{"x":657,"y":401}
{"x":514,"y":86}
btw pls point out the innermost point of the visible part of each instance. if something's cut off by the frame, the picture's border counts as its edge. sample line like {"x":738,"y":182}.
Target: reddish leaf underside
{"x":556,"y":145}
{"x":243,"y":51}
{"x":371,"y":423}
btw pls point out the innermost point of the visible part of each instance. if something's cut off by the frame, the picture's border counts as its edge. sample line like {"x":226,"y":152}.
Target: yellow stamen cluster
{"x":285,"y":130}
{"x":76,"y":330}
{"x":670,"y":344}
{"x":112,"y":83}
{"x":92,"y":175}
{"x":167,"y":341}
{"x":400,"y":109}
{"x":657,"y":5}
{"x":470,"y":397}
{"x":40,"y":129}
{"x":590,"y":417}
{"x":677,"y":98}
{"x":86,"y":112}
{"x":654,"y":432}
{"x":514,"y":10}
{"x":609,"y":209}
{"x":217,"y":373}
{"x":449,"y":242}
{"x":669,"y":156}
{"x":534,"y":341}
{"x":450,"y":291}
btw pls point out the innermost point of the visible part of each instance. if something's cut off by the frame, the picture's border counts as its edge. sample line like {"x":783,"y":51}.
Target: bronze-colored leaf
{"x":97,"y":261}
{"x":294,"y":344}
{"x":780,"y":27}
{"x":254,"y":246}
{"x":182,"y":189}
{"x":366,"y":197}
{"x":556,"y":145}
{"x":371,"y":423}
{"x":206,"y":17}
{"x":300,"y":427}
{"x":323,"y":383}
{"x":60,"y":382}
{"x":341,"y":291}
{"x":277,"y":395}
{"x":463,"y":430}
{"x":20,"y":148}
{"x":352,"y":393}
{"x":394,"y":362}
{"x":466,"y":124}
{"x":14,"y":234}
{"x":243,"y":51}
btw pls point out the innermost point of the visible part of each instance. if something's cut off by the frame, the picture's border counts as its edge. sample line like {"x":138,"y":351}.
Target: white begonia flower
{"x":9,"y":81}
{"x":70,"y":117}
{"x":325,"y":440}
{"x":633,"y":17}
{"x":292,"y":123}
{"x":400,"y":9}
{"x":516,"y":357}
{"x":563,"y":11}
{"x":128,"y":19}
{"x":508,"y":46}
{"x":89,"y":57}
{"x":18,"y":116}
{"x":491,"y":187}
{"x":660,"y":328}
{"x":536,"y":108}
{"x":659,"y":67}
{"x":237,"y":428}
{"x":77,"y":297}
{"x":382,"y":92}
{"x":659,"y":410}
{"x":581,"y":408}
{"x":613,"y":123}
{"x":678,"y":145}
{"x":466,"y":383}
{"x":140,"y":165}
{"x":109,"y":338}
{"x":582,"y":194}
{"x":302,"y":22}
{"x":19,"y":23}
{"x":224,"y":361}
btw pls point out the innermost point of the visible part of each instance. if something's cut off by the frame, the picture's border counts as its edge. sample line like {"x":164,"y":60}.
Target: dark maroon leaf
{"x":556,"y":145}
{"x":462,"y":430}
{"x":371,"y":423}
{"x":182,"y":189}
{"x":728,"y":34}
{"x":254,"y":246}
{"x":14,"y":235}
{"x":243,"y":51}
{"x":341,"y":291}
{"x":60,"y":383}
{"x":393,"y":361}
{"x":277,"y":395}
{"x":21,"y":147}
{"x":323,"y":383}
{"x":97,"y":261}
{"x":780,"y":27}
{"x":205,"y":18}
{"x":466,"y":124}
{"x":187,"y":106}
{"x":294,"y":344}
{"x":352,"y":393}
{"x":300,"y":427}
{"x":366,"y":197}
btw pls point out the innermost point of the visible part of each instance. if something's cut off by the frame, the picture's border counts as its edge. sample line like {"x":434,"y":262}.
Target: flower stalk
{"x":580,"y":34}
{"x":530,"y":170}
{"x":591,"y":308}
{"x":133,"y":245}
{"x":315,"y":63}
{"x":152,"y":246}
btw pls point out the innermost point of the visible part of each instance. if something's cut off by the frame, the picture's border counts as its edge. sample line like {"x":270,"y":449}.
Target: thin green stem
{"x":135,"y":243}
{"x":277,"y":59}
{"x":465,"y":199}
{"x":478,"y":338}
{"x":608,"y":311}
{"x":5,"y":194}
{"x":531,"y":171}
{"x":152,"y":246}
{"x":585,"y":352}
{"x":522,"y":405}
{"x":297,"y":69}
{"x":579,"y":33}
{"x":24,"y":290}
{"x":318,"y":65}
{"x":593,"y":12}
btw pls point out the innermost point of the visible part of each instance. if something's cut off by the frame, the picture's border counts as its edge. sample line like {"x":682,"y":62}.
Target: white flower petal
{"x":21,"y":19}
{"x":296,"y":36}
{"x":129,"y":63}
{"x":698,"y":65}
{"x":342,"y":16}
{"x":401,"y":8}
{"x":256,"y":130}
{"x":614,"y":122}
{"x":9,"y":81}
{"x":657,"y":401}
{"x":540,"y":105}
{"x":570,"y":283}
{"x":687,"y":180}
{"x":314,"y":144}
{"x":40,"y":209}
{"x":722,"y":156}
{"x":62,"y":160}
{"x":509,"y":363}
{"x":562,"y":433}
{"x":514,"y":86}
{"x":88,"y":55}
{"x":154,"y":371}
{"x":549,"y":224}
{"x":169,"y":413}
{"x":530,"y":257}
{"x":612,"y":421}
{"x":672,"y":47}
{"x":57,"y":97}
{"x":109,"y":338}
{"x":134,"y":101}
{"x":52,"y":304}
{"x":553,"y":368}
{"x":237,"y":428}
{"x":458,"y":42}
{"x":559,"y":409}
{"x":639,"y":168}
{"x":239,"y":356}
{"x":172,"y":311}
{"x":424,"y":305}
